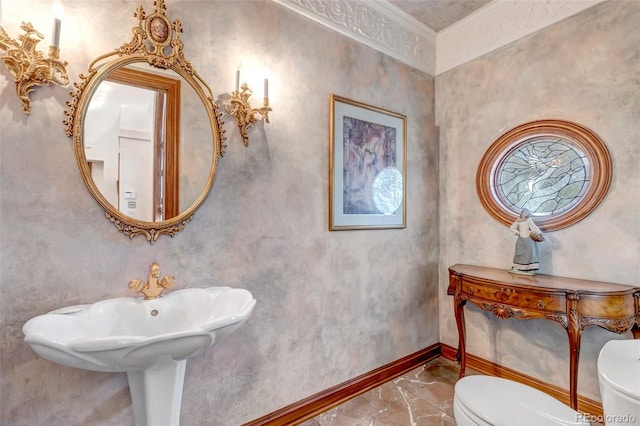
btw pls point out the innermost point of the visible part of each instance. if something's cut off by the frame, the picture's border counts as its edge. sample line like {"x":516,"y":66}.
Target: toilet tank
{"x":619,"y":378}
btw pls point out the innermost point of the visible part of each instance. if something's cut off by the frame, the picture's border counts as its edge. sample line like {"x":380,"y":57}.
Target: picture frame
{"x":367,"y":166}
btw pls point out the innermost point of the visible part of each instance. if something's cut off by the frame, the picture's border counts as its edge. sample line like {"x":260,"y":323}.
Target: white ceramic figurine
{"x":525,"y":259}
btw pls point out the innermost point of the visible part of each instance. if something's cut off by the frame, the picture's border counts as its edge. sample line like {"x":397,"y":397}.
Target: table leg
{"x":459,"y":313}
{"x":575,"y":331}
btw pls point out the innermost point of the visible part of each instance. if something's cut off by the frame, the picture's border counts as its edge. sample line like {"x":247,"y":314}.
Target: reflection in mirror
{"x":129,"y":139}
{"x":147,"y":131}
{"x":143,"y":160}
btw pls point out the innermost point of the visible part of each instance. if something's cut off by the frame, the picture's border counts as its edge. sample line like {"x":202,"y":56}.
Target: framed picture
{"x":367,"y":167}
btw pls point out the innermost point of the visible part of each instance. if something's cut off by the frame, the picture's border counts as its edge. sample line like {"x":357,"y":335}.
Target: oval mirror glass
{"x":147,"y":142}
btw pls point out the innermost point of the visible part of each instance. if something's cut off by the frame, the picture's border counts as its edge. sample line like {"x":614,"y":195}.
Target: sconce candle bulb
{"x":56,"y":33}
{"x":58,"y":12}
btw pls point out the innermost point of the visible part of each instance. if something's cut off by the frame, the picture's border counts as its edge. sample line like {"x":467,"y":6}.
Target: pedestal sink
{"x":150,"y":340}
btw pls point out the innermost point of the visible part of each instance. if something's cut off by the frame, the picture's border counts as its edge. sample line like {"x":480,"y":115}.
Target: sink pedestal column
{"x":156,"y":393}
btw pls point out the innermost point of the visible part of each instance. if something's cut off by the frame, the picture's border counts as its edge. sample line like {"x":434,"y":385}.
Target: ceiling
{"x":438,"y":14}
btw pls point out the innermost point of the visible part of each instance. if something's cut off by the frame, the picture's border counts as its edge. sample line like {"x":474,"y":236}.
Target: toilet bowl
{"x":619,"y":378}
{"x":488,"y":400}
{"x":493,"y":401}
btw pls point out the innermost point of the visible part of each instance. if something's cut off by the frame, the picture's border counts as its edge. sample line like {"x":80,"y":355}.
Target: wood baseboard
{"x":310,"y":407}
{"x":585,"y":405}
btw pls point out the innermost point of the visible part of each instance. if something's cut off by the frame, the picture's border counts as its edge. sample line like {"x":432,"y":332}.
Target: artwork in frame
{"x":367,"y":166}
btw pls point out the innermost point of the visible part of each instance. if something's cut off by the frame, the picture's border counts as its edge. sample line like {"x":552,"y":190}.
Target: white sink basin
{"x":148,"y":339}
{"x":128,"y":333}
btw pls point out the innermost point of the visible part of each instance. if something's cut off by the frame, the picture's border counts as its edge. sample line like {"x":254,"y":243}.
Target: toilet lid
{"x":502,"y":402}
{"x":619,"y":366}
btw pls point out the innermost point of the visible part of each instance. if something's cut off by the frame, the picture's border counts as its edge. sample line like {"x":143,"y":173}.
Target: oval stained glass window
{"x":558,"y":170}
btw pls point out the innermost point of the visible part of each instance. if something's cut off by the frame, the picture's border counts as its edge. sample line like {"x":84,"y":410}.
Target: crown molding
{"x":497,"y":24}
{"x":384,"y":27}
{"x":377,"y":24}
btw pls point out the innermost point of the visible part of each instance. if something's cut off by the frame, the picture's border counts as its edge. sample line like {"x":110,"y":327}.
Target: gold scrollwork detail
{"x":72,"y":117}
{"x":28,"y":67}
{"x":150,"y":39}
{"x":239,"y":107}
{"x":151,"y":234}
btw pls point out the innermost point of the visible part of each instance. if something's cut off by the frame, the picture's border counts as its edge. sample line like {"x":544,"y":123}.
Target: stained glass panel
{"x":545,"y":175}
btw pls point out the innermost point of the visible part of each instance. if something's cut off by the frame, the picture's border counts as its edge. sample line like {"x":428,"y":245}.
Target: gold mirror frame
{"x":155,"y":41}
{"x":598,"y":179}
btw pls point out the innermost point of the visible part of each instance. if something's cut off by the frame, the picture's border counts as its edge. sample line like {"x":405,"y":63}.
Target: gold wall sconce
{"x":240,"y":108}
{"x":28,"y":66}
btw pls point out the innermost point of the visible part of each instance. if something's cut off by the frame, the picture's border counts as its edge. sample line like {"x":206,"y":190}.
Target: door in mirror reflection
{"x":133,"y":148}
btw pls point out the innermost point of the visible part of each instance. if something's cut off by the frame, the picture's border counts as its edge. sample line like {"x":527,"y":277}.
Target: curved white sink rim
{"x":52,"y":335}
{"x":68,"y":309}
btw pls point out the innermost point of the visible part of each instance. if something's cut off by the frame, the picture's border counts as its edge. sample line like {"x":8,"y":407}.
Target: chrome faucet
{"x":153,"y":287}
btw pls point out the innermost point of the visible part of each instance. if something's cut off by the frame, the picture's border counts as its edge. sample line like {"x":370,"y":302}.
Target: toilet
{"x":494,"y":401}
{"x":619,"y":377}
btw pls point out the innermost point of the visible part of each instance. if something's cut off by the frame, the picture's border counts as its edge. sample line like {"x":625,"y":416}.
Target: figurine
{"x":525,"y":259}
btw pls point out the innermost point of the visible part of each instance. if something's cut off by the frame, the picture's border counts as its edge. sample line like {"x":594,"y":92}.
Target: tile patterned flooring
{"x":421,"y":397}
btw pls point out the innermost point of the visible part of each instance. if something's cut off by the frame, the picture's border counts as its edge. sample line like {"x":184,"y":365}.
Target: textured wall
{"x":331,"y":305}
{"x":585,"y":69}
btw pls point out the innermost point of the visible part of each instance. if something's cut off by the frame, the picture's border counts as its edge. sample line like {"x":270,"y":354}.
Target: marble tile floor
{"x":421,"y":397}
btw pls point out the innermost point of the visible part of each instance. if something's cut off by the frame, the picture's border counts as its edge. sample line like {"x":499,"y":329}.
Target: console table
{"x":574,"y":304}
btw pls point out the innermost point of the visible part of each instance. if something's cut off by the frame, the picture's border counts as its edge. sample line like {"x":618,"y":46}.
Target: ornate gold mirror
{"x":559,"y":170}
{"x":146,"y":130}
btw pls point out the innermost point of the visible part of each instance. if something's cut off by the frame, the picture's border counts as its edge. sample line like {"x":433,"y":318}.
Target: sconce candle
{"x":58,"y":12}
{"x":56,"y":32}
{"x":237,"y":80}
{"x":266,"y":88}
